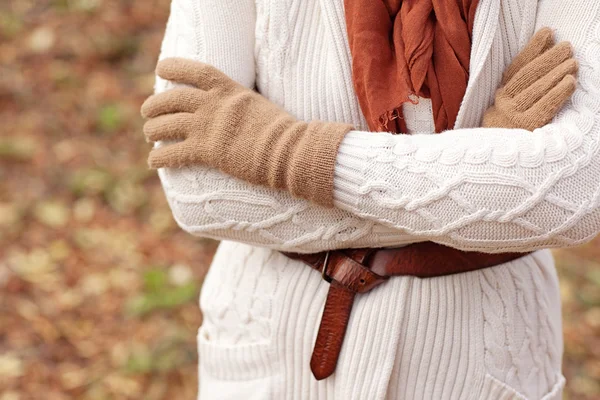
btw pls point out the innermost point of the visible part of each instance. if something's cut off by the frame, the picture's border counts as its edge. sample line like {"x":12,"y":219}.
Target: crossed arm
{"x":469,"y":188}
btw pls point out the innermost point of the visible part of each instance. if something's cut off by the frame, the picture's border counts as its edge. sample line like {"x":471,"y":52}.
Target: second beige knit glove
{"x":227,"y":126}
{"x":535,"y":86}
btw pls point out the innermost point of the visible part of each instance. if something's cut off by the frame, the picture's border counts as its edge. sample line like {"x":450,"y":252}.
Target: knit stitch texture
{"x":480,"y":335}
{"x":392,"y":190}
{"x":220,"y":123}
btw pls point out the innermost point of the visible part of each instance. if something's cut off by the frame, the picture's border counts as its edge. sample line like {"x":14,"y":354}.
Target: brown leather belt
{"x":357,"y":271}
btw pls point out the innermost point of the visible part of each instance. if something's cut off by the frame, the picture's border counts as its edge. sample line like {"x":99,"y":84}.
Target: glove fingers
{"x":539,"y":67}
{"x":539,"y":43}
{"x":543,"y":86}
{"x":547,"y":107}
{"x":174,"y":155}
{"x":184,"y":99}
{"x":168,"y":127}
{"x":200,"y":75}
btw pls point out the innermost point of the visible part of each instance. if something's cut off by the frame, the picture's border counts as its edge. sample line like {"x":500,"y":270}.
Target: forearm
{"x":490,"y":190}
{"x":212,"y":204}
{"x":209,"y":203}
{"x":484,"y":189}
{"x":476,"y":189}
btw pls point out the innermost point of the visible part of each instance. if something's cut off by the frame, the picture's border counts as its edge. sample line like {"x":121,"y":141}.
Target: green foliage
{"x":10,"y":25}
{"x":75,"y":5}
{"x":16,"y":148}
{"x":91,"y":181}
{"x":159,"y":294}
{"x":169,"y":354}
{"x":110,"y":118}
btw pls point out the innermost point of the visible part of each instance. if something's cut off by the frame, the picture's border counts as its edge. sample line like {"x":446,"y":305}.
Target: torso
{"x":268,"y":307}
{"x":306,"y":67}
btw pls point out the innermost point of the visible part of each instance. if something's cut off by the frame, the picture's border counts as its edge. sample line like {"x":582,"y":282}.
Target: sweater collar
{"x":484,"y":32}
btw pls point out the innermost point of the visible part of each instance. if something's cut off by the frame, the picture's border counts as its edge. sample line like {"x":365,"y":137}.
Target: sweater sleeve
{"x":206,"y":202}
{"x":490,"y":190}
{"x":480,"y":189}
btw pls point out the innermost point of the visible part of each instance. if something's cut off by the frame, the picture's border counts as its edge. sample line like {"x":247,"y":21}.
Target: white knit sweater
{"x":491,"y":190}
{"x":471,"y":188}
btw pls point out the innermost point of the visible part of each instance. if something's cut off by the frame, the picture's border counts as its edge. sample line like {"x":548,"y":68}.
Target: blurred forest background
{"x":98,"y":286}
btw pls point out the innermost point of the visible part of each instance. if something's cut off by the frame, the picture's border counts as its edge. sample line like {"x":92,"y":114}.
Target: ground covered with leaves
{"x":98,"y":286}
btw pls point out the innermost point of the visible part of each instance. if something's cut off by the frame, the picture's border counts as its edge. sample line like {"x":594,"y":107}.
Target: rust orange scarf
{"x":401,"y":49}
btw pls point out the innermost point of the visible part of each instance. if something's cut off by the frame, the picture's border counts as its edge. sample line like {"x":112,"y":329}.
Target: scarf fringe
{"x":395,"y":113}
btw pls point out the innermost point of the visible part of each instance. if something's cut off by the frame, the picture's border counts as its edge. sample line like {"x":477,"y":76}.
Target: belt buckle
{"x":324,"y":275}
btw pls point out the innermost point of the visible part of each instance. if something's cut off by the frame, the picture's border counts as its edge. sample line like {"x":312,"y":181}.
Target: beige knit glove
{"x":224,"y":125}
{"x":535,"y":86}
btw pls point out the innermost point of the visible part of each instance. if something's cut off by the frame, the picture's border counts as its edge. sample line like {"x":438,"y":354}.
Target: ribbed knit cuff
{"x":312,"y":170}
{"x":354,"y":155}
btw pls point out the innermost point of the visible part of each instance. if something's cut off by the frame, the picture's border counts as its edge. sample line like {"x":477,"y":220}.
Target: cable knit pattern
{"x":489,"y":189}
{"x":392,"y":190}
{"x":519,"y":340}
{"x":492,"y":334}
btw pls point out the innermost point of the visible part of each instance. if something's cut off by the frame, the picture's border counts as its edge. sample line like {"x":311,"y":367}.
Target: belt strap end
{"x":332,"y":330}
